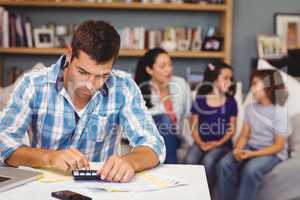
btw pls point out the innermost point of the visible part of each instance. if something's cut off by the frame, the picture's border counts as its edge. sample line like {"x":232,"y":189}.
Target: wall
{"x":250,"y":17}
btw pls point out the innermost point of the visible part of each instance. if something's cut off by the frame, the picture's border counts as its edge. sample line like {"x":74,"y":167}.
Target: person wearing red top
{"x":167,"y":97}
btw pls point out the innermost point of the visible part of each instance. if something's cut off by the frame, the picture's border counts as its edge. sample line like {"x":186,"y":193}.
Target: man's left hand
{"x":117,"y":169}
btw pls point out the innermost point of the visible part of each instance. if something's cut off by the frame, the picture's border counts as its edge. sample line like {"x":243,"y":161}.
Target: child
{"x":261,"y":144}
{"x":213,"y":119}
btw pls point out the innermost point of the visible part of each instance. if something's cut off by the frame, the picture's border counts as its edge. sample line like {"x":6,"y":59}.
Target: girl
{"x":213,"y":119}
{"x":167,"y":96}
{"x":261,"y":144}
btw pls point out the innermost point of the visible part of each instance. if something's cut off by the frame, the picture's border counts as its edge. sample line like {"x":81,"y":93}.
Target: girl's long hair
{"x":141,"y":76}
{"x":211,"y":74}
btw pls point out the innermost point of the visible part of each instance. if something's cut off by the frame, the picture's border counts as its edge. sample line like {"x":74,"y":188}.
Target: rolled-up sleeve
{"x":15,"y":118}
{"x":137,"y":124}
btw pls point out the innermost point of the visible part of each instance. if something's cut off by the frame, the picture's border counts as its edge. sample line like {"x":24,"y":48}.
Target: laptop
{"x":13,"y":177}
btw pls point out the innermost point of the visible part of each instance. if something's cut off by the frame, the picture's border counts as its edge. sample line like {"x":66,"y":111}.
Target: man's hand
{"x":67,"y":160}
{"x":117,"y":169}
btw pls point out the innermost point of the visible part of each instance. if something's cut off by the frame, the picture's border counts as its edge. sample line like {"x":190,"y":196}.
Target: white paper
{"x":144,"y":181}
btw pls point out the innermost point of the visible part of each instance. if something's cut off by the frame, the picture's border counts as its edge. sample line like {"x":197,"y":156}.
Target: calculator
{"x":82,"y":175}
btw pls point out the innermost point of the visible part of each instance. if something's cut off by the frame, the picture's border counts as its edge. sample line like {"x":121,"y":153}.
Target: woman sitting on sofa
{"x":167,"y":97}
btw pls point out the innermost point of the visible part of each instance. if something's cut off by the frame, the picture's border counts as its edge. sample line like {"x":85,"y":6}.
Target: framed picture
{"x":212,"y":43}
{"x":43,"y":37}
{"x":271,"y":47}
{"x":288,"y":26}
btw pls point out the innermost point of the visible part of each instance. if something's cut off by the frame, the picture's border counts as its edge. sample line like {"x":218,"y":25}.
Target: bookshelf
{"x":225,"y":25}
{"x":115,"y":5}
{"x":123,"y":53}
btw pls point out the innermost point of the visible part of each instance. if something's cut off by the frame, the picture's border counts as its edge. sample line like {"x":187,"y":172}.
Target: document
{"x":143,"y":181}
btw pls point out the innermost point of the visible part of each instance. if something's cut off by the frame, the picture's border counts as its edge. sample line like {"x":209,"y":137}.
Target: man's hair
{"x":274,"y":85}
{"x":98,"y":39}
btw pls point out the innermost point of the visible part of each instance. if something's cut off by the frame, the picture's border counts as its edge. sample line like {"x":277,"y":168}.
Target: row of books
{"x":15,"y":30}
{"x":170,"y":38}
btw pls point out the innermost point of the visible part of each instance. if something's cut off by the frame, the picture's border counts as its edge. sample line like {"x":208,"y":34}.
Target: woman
{"x":167,"y":97}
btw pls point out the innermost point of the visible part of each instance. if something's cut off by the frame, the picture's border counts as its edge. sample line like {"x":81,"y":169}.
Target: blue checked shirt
{"x":39,"y":106}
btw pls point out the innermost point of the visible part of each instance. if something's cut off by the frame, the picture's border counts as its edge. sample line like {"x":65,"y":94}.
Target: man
{"x":74,"y":109}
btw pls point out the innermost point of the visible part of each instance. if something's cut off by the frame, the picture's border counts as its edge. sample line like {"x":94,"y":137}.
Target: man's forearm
{"x":28,"y":156}
{"x":142,"y":158}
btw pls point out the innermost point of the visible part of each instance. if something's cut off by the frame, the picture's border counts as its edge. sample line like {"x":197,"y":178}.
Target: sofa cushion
{"x":6,"y":92}
{"x":241,"y":106}
{"x":5,"y":95}
{"x":282,"y":182}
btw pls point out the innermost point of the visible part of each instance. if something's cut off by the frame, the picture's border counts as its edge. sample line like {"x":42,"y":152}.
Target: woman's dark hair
{"x":274,"y":86}
{"x":211,"y":74}
{"x":141,"y":76}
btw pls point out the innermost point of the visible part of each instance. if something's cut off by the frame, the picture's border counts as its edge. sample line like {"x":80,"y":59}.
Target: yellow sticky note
{"x":52,"y":176}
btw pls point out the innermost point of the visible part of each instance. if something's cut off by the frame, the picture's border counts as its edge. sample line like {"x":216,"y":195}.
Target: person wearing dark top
{"x":214,"y":112}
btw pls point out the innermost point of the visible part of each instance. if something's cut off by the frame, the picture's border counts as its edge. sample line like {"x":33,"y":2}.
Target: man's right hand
{"x":67,"y":160}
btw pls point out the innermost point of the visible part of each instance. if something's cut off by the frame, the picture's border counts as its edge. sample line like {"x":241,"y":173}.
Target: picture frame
{"x":271,"y":46}
{"x":212,"y":43}
{"x":288,"y":26}
{"x":43,"y":37}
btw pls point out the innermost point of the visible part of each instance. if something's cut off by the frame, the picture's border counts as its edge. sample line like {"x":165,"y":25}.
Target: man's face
{"x":83,"y":76}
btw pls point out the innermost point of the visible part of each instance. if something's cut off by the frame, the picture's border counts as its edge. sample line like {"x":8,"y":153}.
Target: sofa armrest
{"x":282,"y":182}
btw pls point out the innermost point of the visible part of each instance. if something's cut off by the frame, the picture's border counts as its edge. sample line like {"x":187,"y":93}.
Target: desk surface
{"x":194,"y":175}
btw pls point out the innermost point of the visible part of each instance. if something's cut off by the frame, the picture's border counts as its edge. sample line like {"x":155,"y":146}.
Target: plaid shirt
{"x":39,"y":106}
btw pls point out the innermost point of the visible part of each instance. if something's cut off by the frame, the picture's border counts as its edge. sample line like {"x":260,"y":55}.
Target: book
{"x":12,"y":30}
{"x":28,"y":33}
{"x":23,"y":22}
{"x":140,"y":38}
{"x":5,"y":27}
{"x":19,"y":32}
{"x":1,"y":25}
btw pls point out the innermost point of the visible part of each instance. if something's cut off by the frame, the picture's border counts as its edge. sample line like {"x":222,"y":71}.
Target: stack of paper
{"x":144,"y":181}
